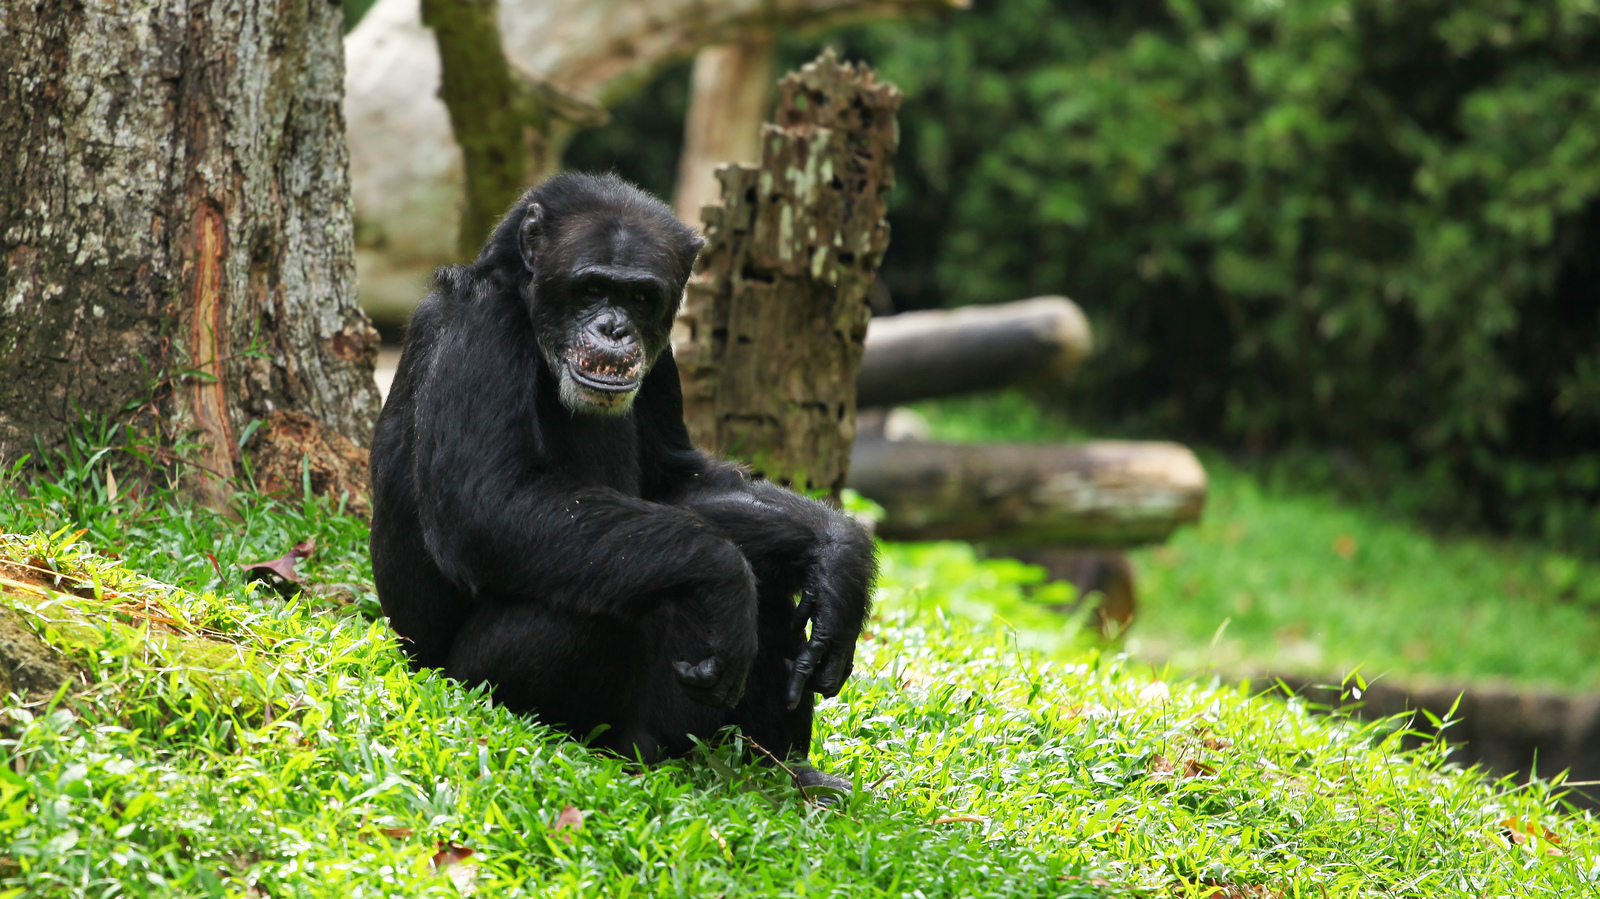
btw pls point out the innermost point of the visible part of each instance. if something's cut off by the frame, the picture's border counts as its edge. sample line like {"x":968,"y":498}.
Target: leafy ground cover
{"x":224,"y":740}
{"x":1285,"y":579}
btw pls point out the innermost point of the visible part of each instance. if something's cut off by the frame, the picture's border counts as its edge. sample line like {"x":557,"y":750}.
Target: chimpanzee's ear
{"x":528,"y":234}
{"x":692,"y":251}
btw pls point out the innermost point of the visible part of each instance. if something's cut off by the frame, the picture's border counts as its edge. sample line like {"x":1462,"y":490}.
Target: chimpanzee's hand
{"x":714,"y":682}
{"x":725,"y":623}
{"x":825,"y":661}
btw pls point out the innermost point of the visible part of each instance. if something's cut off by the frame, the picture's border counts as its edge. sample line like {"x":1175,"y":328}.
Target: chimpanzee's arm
{"x":834,"y":552}
{"x":500,"y":519}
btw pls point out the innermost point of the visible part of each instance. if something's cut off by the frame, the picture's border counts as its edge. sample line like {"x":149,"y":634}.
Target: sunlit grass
{"x":314,"y":763}
{"x":1303,"y":584}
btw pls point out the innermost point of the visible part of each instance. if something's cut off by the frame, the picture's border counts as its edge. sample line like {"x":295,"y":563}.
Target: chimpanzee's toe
{"x":826,"y":790}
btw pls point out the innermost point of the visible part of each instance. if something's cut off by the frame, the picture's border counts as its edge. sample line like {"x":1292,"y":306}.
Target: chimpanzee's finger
{"x":830,"y":677}
{"x":703,"y":674}
{"x":804,"y":664}
{"x":731,"y":689}
{"x":803,"y":611}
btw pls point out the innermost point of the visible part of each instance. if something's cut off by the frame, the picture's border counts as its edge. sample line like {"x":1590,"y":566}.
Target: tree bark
{"x":771,"y":333}
{"x":1100,"y":493}
{"x":175,"y":222}
{"x":728,"y":98}
{"x":920,"y":355}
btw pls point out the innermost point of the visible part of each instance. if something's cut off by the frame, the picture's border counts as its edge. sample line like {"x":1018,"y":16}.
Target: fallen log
{"x":919,"y":355}
{"x":1100,"y":493}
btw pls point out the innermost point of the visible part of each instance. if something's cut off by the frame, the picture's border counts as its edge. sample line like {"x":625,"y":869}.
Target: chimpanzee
{"x":542,"y":523}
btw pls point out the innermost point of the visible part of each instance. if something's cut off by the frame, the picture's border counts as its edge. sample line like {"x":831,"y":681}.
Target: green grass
{"x":1284,"y":580}
{"x":1302,"y":584}
{"x":146,"y":784}
{"x":295,"y":755}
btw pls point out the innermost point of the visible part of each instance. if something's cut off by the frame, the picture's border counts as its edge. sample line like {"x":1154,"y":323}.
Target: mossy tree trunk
{"x":511,"y":129}
{"x":479,"y":89}
{"x":770,"y":338}
{"x":175,"y":223}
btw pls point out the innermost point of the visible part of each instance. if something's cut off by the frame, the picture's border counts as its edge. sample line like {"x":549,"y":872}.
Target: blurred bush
{"x":1370,"y":226}
{"x":1361,"y":238}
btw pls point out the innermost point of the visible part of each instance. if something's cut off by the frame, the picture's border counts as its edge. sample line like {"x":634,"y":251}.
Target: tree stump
{"x":770,"y":339}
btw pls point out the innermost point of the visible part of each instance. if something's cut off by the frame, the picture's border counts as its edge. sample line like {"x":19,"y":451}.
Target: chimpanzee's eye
{"x":592,"y":290}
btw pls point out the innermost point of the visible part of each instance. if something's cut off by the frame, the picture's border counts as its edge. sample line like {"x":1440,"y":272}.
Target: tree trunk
{"x":1100,"y":493}
{"x":175,"y":222}
{"x":478,"y":88}
{"x":771,"y":335}
{"x":920,"y":355}
{"x":511,"y":129}
{"x":728,"y":98}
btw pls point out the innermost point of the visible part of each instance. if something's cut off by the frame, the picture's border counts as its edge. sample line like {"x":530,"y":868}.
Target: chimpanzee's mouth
{"x":602,"y":382}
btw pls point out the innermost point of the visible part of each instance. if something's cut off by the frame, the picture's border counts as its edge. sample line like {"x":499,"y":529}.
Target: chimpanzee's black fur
{"x":541,"y":522}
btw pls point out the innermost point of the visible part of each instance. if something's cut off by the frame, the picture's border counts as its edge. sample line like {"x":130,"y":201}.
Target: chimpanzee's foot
{"x":826,"y":790}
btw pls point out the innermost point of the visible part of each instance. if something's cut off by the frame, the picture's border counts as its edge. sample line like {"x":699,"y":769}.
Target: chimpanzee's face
{"x":604,"y":289}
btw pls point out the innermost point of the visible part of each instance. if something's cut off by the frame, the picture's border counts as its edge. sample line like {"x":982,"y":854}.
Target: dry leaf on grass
{"x":1344,"y":546}
{"x":1161,"y":766}
{"x":1521,"y":830}
{"x":569,"y":819}
{"x":1213,"y":889}
{"x":282,"y":567}
{"x":451,"y":859}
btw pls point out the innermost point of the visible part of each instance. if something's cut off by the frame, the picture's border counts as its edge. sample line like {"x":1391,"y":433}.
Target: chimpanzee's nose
{"x":613,"y":327}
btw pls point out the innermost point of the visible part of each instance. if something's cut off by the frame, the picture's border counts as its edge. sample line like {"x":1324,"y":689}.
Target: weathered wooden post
{"x":770,"y":338}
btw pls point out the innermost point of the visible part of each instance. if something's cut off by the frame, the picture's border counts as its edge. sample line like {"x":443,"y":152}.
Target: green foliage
{"x":1350,"y":223}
